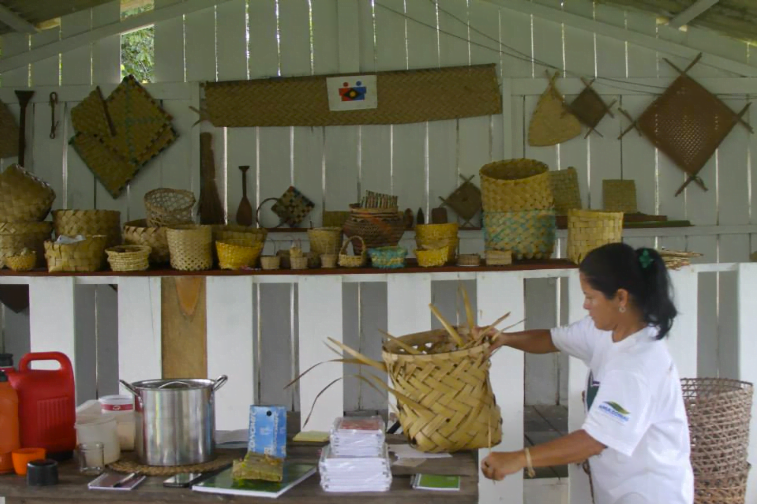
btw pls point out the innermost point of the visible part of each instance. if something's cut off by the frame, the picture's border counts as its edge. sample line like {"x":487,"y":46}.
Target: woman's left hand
{"x":497,"y":465}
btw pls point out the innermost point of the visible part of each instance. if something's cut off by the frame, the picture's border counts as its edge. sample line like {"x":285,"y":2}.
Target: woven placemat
{"x":404,"y":97}
{"x":128,"y":463}
{"x":8,"y":133}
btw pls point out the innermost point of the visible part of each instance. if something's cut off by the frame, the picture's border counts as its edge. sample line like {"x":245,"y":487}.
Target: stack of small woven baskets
{"x":519,"y":215}
{"x":25,"y":201}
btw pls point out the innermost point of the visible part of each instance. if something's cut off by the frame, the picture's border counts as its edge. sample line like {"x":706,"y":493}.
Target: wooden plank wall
{"x":419,"y":162}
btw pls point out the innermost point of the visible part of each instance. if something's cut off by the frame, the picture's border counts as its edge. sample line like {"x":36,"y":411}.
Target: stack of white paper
{"x":358,"y":437}
{"x":355,"y":474}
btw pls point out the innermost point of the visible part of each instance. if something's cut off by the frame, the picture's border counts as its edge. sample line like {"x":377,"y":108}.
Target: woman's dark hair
{"x":641,"y":272}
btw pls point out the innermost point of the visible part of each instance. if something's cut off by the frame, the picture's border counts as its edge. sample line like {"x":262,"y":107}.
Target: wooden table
{"x":72,"y":487}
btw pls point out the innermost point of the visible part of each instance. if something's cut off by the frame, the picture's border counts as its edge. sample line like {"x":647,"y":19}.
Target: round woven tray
{"x":515,"y":184}
{"x":589,"y":229}
{"x":128,"y":463}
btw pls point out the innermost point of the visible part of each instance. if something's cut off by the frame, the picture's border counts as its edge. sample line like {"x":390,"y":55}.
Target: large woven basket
{"x":191,"y":247}
{"x":565,"y":190}
{"x":85,"y":255}
{"x":515,"y":184}
{"x":325,"y":240}
{"x":169,"y":207}
{"x":719,"y":412}
{"x":724,"y":488}
{"x":377,"y":227}
{"x":16,"y":236}
{"x":528,"y":234}
{"x":237,"y":254}
{"x":139,"y":233}
{"x":589,"y":229}
{"x":128,"y":257}
{"x":457,"y":407}
{"x":23,"y":197}
{"x":435,"y":236}
{"x":89,"y":223}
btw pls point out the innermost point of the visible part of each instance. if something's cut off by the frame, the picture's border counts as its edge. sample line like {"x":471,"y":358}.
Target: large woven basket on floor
{"x":528,"y":234}
{"x":719,"y":412}
{"x":378,"y":227}
{"x":191,"y":247}
{"x":428,"y":236}
{"x":565,"y":190}
{"x":169,"y":207}
{"x":16,"y":236}
{"x":139,"y":233}
{"x":249,"y":234}
{"x":89,"y":223}
{"x":237,"y":254}
{"x":728,"y":488}
{"x":85,"y":255}
{"x":128,"y":257}
{"x":515,"y":184}
{"x":589,"y":229}
{"x":23,"y":197}
{"x":457,"y":407}
{"x":325,"y":240}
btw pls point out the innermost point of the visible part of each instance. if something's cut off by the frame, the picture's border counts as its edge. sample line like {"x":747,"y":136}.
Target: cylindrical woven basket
{"x":237,"y":254}
{"x":469,"y":260}
{"x":565,"y":190}
{"x":325,"y":240}
{"x":298,"y":263}
{"x":169,"y":207}
{"x":191,"y":247}
{"x":378,"y":227}
{"x":270,"y":262}
{"x":528,"y":234}
{"x":432,"y":257}
{"x":16,"y":236}
{"x":24,"y":197}
{"x":85,"y":255}
{"x":435,"y":236}
{"x":728,"y":488}
{"x":719,"y":412}
{"x":499,"y":257}
{"x":89,"y":223}
{"x":515,"y":184}
{"x":388,"y":257}
{"x":458,"y":410}
{"x":139,"y":233}
{"x":356,"y":261}
{"x":249,"y":234}
{"x":589,"y":229}
{"x":128,"y":257}
{"x":22,"y":262}
{"x":329,"y":260}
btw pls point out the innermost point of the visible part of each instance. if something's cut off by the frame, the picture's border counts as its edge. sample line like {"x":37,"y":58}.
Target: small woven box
{"x":499,"y":257}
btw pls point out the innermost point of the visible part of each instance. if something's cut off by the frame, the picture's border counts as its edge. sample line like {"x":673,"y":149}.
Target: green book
{"x":436,"y":482}
{"x":223,"y":483}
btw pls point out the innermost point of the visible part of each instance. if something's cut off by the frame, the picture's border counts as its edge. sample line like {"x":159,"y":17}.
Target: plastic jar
{"x":122,"y":407}
{"x":102,"y":429}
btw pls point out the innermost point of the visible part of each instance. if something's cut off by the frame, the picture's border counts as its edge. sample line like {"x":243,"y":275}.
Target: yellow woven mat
{"x":89,"y":116}
{"x":404,"y":97}
{"x":8,"y":133}
{"x":619,"y":196}
{"x":129,"y":464}
{"x":551,"y":123}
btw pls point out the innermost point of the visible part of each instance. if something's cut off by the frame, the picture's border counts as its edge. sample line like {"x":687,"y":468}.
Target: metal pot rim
{"x":177,"y":385}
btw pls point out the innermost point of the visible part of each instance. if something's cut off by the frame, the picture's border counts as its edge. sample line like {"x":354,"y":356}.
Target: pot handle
{"x":129,"y":387}
{"x":220,"y":382}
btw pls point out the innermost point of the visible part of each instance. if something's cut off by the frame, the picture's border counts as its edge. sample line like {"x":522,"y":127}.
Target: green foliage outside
{"x":138,"y":50}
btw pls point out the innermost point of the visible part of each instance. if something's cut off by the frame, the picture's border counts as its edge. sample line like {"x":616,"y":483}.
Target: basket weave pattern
{"x":565,"y":190}
{"x":356,"y":261}
{"x":169,"y":207}
{"x":16,"y":236}
{"x":516,"y":184}
{"x":236,"y":254}
{"x":529,"y":234}
{"x":589,"y":229}
{"x":499,"y":257}
{"x":191,"y":247}
{"x":128,"y":257}
{"x":85,"y":255}
{"x":377,"y":228}
{"x":249,"y":234}
{"x":139,"y":233}
{"x":388,"y":257}
{"x":24,"y":197}
{"x":459,"y":411}
{"x":432,"y":257}
{"x":435,"y":236}
{"x":89,"y":223}
{"x":325,"y":240}
{"x":727,"y":488}
{"x":22,"y":262}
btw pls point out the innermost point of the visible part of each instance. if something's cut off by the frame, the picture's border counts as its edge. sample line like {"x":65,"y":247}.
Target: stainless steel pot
{"x":175,"y":420}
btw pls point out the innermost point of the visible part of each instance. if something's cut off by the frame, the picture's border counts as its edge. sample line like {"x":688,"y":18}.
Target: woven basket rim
{"x":486,"y":170}
{"x":593,"y":213}
{"x":441,"y":333}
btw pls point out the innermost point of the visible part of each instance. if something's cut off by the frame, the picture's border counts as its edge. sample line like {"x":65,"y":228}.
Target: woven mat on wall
{"x":403,"y":97}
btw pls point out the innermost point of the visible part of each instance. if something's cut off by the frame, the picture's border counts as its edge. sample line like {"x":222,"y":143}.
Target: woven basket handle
{"x":348,"y":241}
{"x":257,"y":213}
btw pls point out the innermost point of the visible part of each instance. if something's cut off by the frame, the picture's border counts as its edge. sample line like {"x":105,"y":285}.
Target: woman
{"x":635,"y":434}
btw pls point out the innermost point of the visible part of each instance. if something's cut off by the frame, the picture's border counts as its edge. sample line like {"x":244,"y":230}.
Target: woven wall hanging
{"x":687,"y":123}
{"x":589,"y":108}
{"x":465,"y":200}
{"x":551,"y":123}
{"x":619,"y":196}
{"x":116,"y":137}
{"x":404,"y":97}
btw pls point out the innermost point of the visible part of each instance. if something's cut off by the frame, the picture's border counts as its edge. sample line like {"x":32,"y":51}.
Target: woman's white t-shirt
{"x":634,"y":406}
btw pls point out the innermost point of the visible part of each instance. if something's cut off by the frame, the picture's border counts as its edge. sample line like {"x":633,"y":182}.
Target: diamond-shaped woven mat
{"x":588,"y":107}
{"x":687,"y":123}
{"x":293,"y":206}
{"x":465,"y":200}
{"x":89,"y":116}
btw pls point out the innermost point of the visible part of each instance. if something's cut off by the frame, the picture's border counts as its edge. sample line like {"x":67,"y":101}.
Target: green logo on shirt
{"x":617,"y":407}
{"x":615,"y":410}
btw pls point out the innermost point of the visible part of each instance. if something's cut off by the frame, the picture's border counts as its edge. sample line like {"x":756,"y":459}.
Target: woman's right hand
{"x":499,"y":341}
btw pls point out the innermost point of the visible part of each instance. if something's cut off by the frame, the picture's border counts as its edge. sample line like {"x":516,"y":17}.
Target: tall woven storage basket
{"x":458,"y":410}
{"x":16,"y":236}
{"x":191,"y":247}
{"x":23,"y":197}
{"x":139,"y":233}
{"x":515,"y":184}
{"x":436,"y":236}
{"x":589,"y":229}
{"x":529,"y":234}
{"x":89,"y":223}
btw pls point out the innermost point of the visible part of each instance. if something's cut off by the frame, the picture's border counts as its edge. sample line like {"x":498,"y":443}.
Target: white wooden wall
{"x":240,"y":39}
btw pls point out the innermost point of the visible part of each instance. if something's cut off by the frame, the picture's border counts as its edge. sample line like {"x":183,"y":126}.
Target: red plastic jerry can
{"x":46,"y":403}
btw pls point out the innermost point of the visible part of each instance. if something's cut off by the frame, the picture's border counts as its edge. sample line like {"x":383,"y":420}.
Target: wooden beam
{"x":15,"y":21}
{"x":126,"y":25}
{"x":694,"y":11}
{"x":640,"y":39}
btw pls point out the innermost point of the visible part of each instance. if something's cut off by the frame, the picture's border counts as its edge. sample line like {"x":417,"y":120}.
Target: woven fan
{"x":687,"y":123}
{"x":465,"y":200}
{"x":589,"y":107}
{"x":551,"y":123}
{"x":8,"y":133}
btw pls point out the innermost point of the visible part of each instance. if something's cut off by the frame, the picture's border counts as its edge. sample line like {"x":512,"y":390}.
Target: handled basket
{"x":24,"y":197}
{"x":169,"y":207}
{"x":515,"y":184}
{"x":85,"y":255}
{"x":589,"y":229}
{"x":89,"y":223}
{"x":388,"y":257}
{"x":129,"y":257}
{"x":139,"y":233}
{"x":237,"y":254}
{"x":528,"y":234}
{"x":356,"y":261}
{"x":191,"y":247}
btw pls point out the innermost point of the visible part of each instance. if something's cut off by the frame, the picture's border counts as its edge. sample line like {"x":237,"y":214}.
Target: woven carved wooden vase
{"x":378,"y":227}
{"x":449,"y":402}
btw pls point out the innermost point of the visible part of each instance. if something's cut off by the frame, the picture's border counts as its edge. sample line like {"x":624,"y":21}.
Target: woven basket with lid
{"x":589,"y":229}
{"x":515,"y":184}
{"x":139,"y":233}
{"x":23,"y":197}
{"x":191,"y":247}
{"x":89,"y":223}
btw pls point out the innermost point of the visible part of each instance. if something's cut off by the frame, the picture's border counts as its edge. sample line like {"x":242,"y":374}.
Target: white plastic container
{"x":100,"y":428}
{"x":122,"y":407}
{"x":117,"y":404}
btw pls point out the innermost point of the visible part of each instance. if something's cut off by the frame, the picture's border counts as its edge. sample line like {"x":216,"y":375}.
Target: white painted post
{"x":230,"y":347}
{"x":580,"y":491}
{"x":497,"y":294}
{"x":320,"y":317}
{"x":682,"y":341}
{"x":139,"y":332}
{"x":747,"y":349}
